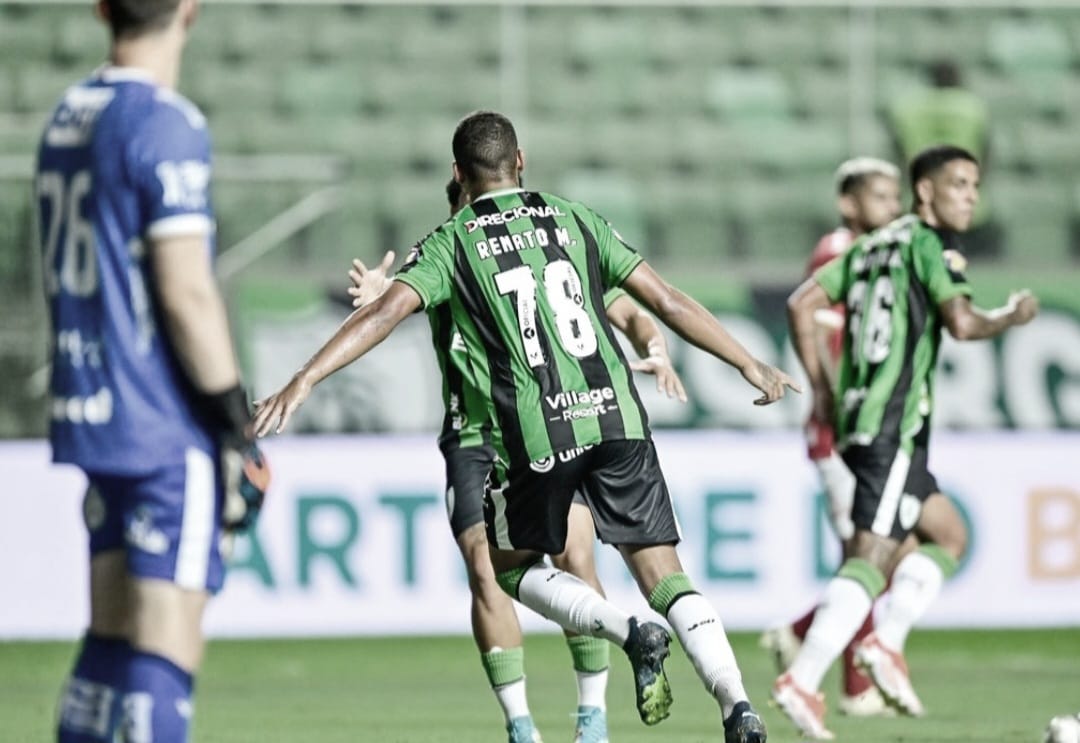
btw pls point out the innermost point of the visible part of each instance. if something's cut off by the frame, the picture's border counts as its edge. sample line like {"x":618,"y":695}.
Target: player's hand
{"x":246,"y":478}
{"x":369,"y":283}
{"x":667,"y":379}
{"x":273,"y":413}
{"x":770,"y":380}
{"x":1023,"y":306}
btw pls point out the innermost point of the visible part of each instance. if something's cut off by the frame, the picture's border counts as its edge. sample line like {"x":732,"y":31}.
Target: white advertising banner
{"x":354,"y":538}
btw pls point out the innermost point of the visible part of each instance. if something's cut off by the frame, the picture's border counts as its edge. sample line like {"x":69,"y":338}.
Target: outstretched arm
{"x":966,"y":322}
{"x":368,"y":284}
{"x":696,"y":325}
{"x":649,"y":343}
{"x":361,"y":331}
{"x":803,"y":307}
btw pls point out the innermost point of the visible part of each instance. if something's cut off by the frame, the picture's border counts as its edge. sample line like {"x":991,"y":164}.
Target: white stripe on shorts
{"x":502,"y":528}
{"x":890,"y":497}
{"x":197,"y":527}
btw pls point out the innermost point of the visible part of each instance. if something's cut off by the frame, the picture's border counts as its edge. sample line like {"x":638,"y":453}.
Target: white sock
{"x":512,"y":699}
{"x":701,"y":633}
{"x":839,"y":616}
{"x":592,"y":689}
{"x":572,"y":603}
{"x":916,"y":583}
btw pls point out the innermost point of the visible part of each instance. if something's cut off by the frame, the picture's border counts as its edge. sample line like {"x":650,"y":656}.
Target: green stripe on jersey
{"x":892,"y":281}
{"x":524,"y":275}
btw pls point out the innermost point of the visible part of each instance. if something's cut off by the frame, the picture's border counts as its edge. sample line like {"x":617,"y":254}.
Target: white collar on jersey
{"x":112,"y":74}
{"x":499,"y":192}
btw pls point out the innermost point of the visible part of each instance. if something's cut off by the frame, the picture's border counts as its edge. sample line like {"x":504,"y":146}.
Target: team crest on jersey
{"x":956,"y":263}
{"x":542,"y":465}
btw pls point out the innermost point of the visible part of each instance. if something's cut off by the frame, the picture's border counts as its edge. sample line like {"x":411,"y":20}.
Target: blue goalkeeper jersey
{"x":121,"y":161}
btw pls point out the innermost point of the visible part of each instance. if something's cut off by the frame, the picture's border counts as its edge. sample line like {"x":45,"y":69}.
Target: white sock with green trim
{"x":572,"y":603}
{"x":916,"y":582}
{"x":847,"y":600}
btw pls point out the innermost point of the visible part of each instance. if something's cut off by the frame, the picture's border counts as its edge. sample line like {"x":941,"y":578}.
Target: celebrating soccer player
{"x":145,"y":391}
{"x":465,"y":444}
{"x":525,"y":274}
{"x":868,"y":197}
{"x":901,"y":285}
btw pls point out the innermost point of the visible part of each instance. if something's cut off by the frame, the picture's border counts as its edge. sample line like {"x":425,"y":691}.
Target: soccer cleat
{"x":522,"y":730}
{"x":804,"y":708}
{"x":591,"y":725}
{"x":783,"y":645}
{"x":744,"y":726}
{"x":889,"y":672}
{"x":647,"y":647}
{"x":868,"y":703}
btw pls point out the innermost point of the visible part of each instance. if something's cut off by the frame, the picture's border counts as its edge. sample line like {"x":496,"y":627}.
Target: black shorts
{"x":890,"y":487}
{"x":467,"y":470}
{"x":527,"y":507}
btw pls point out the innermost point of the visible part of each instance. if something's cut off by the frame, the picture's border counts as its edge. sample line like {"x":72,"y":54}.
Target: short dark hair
{"x":128,"y":18}
{"x":931,"y":160}
{"x":485,"y":146}
{"x":453,"y":194}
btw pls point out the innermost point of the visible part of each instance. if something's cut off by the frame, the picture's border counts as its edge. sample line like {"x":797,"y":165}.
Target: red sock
{"x":855,"y":681}
{"x":802,"y":625}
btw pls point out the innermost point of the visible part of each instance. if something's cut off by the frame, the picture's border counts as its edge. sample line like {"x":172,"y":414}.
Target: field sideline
{"x":988,"y":686}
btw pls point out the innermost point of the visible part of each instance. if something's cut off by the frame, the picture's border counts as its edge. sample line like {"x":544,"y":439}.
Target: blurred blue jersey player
{"x":145,"y":395}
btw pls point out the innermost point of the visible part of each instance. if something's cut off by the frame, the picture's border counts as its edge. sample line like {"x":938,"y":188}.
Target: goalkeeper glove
{"x":245,"y":475}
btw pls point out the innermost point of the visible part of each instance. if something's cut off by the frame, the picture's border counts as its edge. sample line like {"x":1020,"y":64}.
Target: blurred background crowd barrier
{"x":706,"y":132}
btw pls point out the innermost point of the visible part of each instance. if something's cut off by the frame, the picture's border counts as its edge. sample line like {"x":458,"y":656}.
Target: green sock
{"x":590,"y":654}
{"x":504,"y":666}
{"x":667,"y":590}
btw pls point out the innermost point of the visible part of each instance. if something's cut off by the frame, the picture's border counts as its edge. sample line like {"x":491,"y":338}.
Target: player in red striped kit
{"x":868,"y":197}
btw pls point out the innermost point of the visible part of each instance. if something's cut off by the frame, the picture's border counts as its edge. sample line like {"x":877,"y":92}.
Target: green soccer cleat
{"x":591,"y":725}
{"x":522,"y":730}
{"x":647,"y":647}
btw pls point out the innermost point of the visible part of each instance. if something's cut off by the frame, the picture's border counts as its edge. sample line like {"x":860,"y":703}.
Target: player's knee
{"x":954,"y":541}
{"x":577,"y":560}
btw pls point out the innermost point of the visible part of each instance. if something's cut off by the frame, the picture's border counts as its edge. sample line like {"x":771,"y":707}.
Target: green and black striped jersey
{"x":466,"y":420}
{"x":892,"y":281}
{"x":524,"y":275}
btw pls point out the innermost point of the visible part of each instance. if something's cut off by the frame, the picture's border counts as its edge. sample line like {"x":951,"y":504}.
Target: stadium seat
{"x":613,"y":195}
{"x":754,"y":93}
{"x":74,"y":47}
{"x":38,"y":88}
{"x":1022,"y":47}
{"x":1033,"y":212}
{"x":791,"y":146}
{"x":691,"y":221}
{"x":779,"y":219}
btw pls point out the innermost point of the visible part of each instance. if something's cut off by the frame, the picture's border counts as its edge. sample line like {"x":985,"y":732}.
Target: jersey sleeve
{"x":613,"y":294}
{"x":168,"y":161}
{"x":429,"y":268}
{"x":617,"y":259}
{"x":832,"y":277}
{"x":940,"y":270}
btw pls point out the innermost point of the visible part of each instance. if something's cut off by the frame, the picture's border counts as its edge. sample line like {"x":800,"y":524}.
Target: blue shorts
{"x":168,"y":523}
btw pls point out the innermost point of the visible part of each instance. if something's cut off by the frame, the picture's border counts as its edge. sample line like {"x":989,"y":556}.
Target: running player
{"x":901,"y":284}
{"x":465,"y":444}
{"x":145,"y":390}
{"x":525,"y":274}
{"x":868,"y":197}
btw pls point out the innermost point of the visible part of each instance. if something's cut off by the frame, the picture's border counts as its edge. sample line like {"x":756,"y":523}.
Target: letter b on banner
{"x":1054,"y":534}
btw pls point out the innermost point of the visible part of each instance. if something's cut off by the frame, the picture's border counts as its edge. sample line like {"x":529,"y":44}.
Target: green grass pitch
{"x":992,"y":687}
